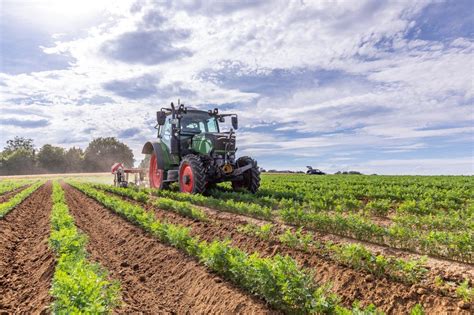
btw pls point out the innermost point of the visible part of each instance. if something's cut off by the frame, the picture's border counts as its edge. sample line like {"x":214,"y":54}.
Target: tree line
{"x":20,"y":157}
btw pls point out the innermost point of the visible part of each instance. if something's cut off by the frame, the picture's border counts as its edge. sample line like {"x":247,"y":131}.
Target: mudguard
{"x":155,"y":146}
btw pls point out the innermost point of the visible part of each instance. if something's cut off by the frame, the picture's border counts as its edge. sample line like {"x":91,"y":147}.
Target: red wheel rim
{"x":186,"y":179}
{"x":154,"y":174}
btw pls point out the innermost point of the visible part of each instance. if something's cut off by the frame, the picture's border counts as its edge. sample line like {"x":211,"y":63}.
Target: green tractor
{"x":192,"y":150}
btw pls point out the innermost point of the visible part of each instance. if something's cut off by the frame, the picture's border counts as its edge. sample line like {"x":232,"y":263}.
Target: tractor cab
{"x":191,"y":149}
{"x":195,"y":122}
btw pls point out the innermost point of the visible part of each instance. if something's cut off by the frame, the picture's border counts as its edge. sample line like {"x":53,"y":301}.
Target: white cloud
{"x":355,"y":80}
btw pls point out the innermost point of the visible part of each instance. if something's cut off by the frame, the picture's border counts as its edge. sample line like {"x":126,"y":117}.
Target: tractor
{"x":314,"y":171}
{"x":192,"y":150}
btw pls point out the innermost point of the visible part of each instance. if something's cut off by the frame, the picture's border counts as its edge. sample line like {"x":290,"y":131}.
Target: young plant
{"x":465,"y":292}
{"x":79,"y":286}
{"x":261,"y":231}
{"x":297,"y":239}
{"x":278,"y":280}
{"x":5,"y":207}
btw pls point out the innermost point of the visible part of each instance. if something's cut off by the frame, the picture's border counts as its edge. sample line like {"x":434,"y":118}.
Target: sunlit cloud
{"x":336,"y":85}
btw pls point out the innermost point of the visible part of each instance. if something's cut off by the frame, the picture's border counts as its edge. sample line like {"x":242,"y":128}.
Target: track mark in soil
{"x":26,"y":261}
{"x":155,"y":278}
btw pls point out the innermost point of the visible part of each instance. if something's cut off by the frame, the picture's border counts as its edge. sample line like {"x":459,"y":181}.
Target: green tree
{"x":103,"y":152}
{"x":19,"y":143}
{"x":18,"y":157}
{"x":74,"y":159}
{"x":17,"y":162}
{"x":51,"y":159}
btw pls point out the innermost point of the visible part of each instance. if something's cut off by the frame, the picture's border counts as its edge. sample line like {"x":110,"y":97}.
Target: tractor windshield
{"x":199,"y":122}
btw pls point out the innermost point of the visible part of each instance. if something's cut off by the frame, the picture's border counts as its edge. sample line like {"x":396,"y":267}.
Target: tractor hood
{"x":218,"y":142}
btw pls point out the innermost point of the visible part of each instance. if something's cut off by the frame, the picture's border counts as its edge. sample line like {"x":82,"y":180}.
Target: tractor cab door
{"x":165,"y":133}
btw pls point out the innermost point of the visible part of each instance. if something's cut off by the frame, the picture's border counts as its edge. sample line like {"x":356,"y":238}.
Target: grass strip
{"x":278,"y":280}
{"x":6,"y":206}
{"x":79,"y":286}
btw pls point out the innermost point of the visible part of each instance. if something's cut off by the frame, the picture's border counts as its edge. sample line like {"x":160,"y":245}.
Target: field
{"x":303,"y":244}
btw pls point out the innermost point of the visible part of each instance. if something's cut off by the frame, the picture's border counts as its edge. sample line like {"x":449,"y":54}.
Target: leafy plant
{"x":261,"y":231}
{"x":5,"y":207}
{"x":417,"y":310}
{"x":278,"y":280}
{"x":297,"y":239}
{"x":78,"y":286}
{"x":465,"y":292}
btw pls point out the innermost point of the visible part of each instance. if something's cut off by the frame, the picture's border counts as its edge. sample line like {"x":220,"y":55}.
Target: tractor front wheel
{"x":251,"y":177}
{"x":156,"y":175}
{"x":192,"y":178}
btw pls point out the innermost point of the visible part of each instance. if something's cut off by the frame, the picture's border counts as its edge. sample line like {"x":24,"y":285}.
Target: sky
{"x":380,"y":87}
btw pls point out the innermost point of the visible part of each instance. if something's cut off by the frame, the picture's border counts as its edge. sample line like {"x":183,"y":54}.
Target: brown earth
{"x":26,"y":261}
{"x":390,"y":296}
{"x":155,"y":278}
{"x":448,"y":269}
{"x":6,"y":196}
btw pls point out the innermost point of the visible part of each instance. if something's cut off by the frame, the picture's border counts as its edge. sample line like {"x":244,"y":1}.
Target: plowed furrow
{"x":155,"y":278}
{"x":390,"y":296}
{"x":26,"y":261}
{"x":6,"y":196}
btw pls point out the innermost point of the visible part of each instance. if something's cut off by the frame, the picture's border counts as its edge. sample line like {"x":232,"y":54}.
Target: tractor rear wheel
{"x":192,"y":177}
{"x":251,"y":177}
{"x":156,"y":175}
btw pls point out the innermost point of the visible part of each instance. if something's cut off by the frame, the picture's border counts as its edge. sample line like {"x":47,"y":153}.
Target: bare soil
{"x":390,"y":296}
{"x":155,"y":278}
{"x":26,"y":261}
{"x":448,"y":269}
{"x":8,"y":195}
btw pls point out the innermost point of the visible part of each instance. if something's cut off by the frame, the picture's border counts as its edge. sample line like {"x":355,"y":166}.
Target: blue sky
{"x":379,"y":87}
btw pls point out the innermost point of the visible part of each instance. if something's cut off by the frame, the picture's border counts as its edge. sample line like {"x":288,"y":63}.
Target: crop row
{"x":450,"y":190}
{"x":456,"y":245}
{"x":409,"y":271}
{"x":230,"y":205}
{"x":78,"y":286}
{"x":181,"y":207}
{"x":7,"y":186}
{"x":6,"y":206}
{"x":352,"y":255}
{"x":278,"y":280}
{"x":377,"y":195}
{"x":453,"y":245}
{"x":167,"y":196}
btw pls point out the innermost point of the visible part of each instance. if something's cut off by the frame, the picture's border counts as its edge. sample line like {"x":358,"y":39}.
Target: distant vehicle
{"x":314,"y":171}
{"x":349,"y":173}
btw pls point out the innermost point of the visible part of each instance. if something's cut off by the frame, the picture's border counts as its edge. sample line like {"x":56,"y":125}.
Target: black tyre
{"x":251,"y":177}
{"x":192,"y":177}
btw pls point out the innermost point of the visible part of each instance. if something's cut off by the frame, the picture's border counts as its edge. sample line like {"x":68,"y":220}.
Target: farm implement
{"x":122,"y":175}
{"x":191,"y":150}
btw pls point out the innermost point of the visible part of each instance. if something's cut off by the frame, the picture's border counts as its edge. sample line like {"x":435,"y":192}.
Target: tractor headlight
{"x":227,"y":168}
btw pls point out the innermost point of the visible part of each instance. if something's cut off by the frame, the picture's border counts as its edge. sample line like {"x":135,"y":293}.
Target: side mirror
{"x":235,"y":123}
{"x":161,"y":118}
{"x":221,"y":119}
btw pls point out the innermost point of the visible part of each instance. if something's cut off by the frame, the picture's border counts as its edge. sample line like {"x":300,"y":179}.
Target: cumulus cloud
{"x":146,"y":47}
{"x":311,"y":81}
{"x":145,"y":86}
{"x":140,"y":87}
{"x":24,"y":123}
